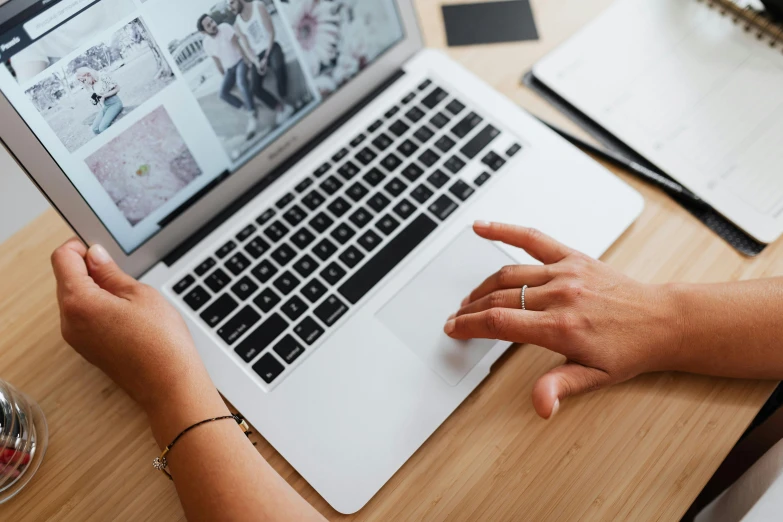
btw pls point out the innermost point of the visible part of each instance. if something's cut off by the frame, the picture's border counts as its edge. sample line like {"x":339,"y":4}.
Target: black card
{"x":489,"y":22}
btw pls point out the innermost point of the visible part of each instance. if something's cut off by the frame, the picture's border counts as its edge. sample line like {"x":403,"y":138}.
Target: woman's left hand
{"x":610,"y":327}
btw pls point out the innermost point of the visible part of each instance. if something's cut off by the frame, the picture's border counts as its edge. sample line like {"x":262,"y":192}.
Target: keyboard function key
{"x":424,"y":85}
{"x":434,"y":98}
{"x":226,"y":249}
{"x":468,"y":123}
{"x":323,"y":169}
{"x":266,"y":216}
{"x":304,"y":185}
{"x":483,"y":178}
{"x":196,"y":298}
{"x":219,"y":310}
{"x":340,"y":155}
{"x":480,"y":141}
{"x":245,"y":233}
{"x":409,"y":98}
{"x":205,"y":267}
{"x":512,"y":151}
{"x":184,"y":284}
{"x":284,"y":201}
{"x":358,"y":140}
{"x":391,"y":112}
{"x":377,"y":124}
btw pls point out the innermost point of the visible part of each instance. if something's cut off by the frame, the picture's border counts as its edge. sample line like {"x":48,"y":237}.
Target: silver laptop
{"x":305,"y":205}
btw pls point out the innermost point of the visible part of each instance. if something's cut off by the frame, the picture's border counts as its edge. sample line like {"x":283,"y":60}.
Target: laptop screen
{"x":147,"y":104}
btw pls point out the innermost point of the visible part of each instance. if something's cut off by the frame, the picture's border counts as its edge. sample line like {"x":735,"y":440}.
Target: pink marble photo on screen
{"x":145,"y":166}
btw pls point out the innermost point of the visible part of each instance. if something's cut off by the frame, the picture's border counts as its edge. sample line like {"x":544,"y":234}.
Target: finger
{"x":565,"y":381}
{"x":535,"y":243}
{"x":503,"y":324}
{"x":534,"y":300}
{"x":107,"y":274}
{"x":512,"y":276}
{"x":70,"y":268}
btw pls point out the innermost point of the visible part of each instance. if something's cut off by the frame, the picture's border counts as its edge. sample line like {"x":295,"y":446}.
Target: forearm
{"x":729,"y":329}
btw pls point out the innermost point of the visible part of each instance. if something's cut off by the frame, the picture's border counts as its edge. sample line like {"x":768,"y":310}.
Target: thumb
{"x":106,"y":274}
{"x":565,"y":381}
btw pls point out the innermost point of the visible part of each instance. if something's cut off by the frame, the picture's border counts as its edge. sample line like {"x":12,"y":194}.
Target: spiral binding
{"x":753,"y":20}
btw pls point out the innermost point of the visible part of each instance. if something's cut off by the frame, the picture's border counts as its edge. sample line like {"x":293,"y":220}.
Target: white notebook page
{"x":692,"y":92}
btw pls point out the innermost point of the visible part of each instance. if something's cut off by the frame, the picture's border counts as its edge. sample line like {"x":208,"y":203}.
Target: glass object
{"x":24,"y":437}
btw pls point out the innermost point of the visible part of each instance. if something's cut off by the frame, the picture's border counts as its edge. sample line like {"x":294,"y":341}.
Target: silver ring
{"x":522,"y":297}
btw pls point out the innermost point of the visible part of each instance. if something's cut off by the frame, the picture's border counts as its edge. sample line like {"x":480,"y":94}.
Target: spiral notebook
{"x":696,"y":88}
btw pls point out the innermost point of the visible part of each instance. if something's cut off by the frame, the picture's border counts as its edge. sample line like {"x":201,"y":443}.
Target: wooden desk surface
{"x":639,"y":451}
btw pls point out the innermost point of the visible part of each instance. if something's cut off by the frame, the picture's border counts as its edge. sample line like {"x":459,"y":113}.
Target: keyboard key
{"x":377,"y":124}
{"x":407,"y":148}
{"x":369,"y":275}
{"x":268,"y":368}
{"x":429,"y":158}
{"x":455,"y":107}
{"x":196,"y":298}
{"x":261,"y":338}
{"x":303,"y":238}
{"x":395,"y":187}
{"x":324,"y":249}
{"x":257,"y":247}
{"x":309,"y":331}
{"x":313,"y":200}
{"x":294,"y":308}
{"x":276,"y":231}
{"x":284,"y":201}
{"x":480,"y":141}
{"x":237,"y":264}
{"x":289,"y":349}
{"x":391,"y":112}
{"x":321,"y":223}
{"x":295,"y":215}
{"x":374,"y":177}
{"x":264,"y":271}
{"x":343,"y":233}
{"x":493,"y":161}
{"x":204,"y":267}
{"x":244,"y":288}
{"x":412,"y":172}
{"x":445,"y":143}
{"x":349,"y":170}
{"x":387,"y":224}
{"x":399,"y":128}
{"x":440,"y":120}
{"x":424,"y":134}
{"x":339,"y":207}
{"x":225,"y":249}
{"x":409,"y":98}
{"x":184,"y":284}
{"x":483,"y":178}
{"x":391,"y":162}
{"x":443,"y":207}
{"x":366,"y":156}
{"x":351,"y":257}
{"x":323,"y":169}
{"x":238,"y":325}
{"x":331,"y":310}
{"x":340,"y":155}
{"x":314,"y":290}
{"x":378,"y":202}
{"x":219,"y":310}
{"x":512,"y":151}
{"x":358,"y":140}
{"x":437,"y":179}
{"x":217,"y":280}
{"x":425,"y":84}
{"x":361,"y":218}
{"x":415,"y":114}
{"x":305,"y":266}
{"x":382,"y":142}
{"x":462,"y":190}
{"x":286,"y":283}
{"x":454,"y":164}
{"x":245,"y":233}
{"x":284,"y":255}
{"x":331,"y":185}
{"x":267,"y":300}
{"x":333,"y":273}
{"x":434,"y":98}
{"x":266,"y":216}
{"x":404,"y":209}
{"x":370,"y":240}
{"x":357,"y":191}
{"x":467,"y":124}
{"x":304,"y":185}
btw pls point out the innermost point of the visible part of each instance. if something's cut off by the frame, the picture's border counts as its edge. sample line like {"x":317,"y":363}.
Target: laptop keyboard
{"x":273,"y":290}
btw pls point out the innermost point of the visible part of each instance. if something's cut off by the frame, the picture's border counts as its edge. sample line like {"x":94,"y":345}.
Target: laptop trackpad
{"x":417,"y":314}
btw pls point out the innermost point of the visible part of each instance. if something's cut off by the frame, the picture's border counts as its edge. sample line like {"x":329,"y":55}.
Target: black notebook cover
{"x":725,"y":229}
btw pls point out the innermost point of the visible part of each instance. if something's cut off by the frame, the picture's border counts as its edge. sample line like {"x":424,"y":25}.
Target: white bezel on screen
{"x":52,"y":182}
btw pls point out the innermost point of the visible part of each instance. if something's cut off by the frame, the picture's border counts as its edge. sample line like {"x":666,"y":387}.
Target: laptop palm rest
{"x":417,"y":314}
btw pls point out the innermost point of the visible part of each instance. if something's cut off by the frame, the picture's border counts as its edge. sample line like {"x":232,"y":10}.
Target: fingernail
{"x":99,"y":255}
{"x":450,"y":325}
{"x":481,"y":224}
{"x":555,"y":408}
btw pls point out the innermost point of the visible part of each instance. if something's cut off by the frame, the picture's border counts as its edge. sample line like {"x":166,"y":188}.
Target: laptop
{"x":306,"y":205}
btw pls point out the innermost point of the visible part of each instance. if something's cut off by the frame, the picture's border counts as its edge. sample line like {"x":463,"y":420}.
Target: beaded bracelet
{"x":161,"y":464}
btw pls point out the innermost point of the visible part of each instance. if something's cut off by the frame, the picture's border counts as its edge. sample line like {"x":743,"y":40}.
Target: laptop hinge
{"x":245,"y":198}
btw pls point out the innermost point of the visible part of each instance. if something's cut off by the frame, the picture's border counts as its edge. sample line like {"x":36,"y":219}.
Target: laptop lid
{"x":141,"y":120}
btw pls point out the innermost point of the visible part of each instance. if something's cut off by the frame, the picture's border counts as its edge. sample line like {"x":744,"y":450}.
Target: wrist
{"x":674,"y":326}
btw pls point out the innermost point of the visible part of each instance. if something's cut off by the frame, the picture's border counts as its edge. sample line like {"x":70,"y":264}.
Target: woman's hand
{"x":126,"y":328}
{"x":610,"y":327}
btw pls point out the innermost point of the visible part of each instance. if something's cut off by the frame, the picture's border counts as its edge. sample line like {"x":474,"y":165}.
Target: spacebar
{"x":387,"y":258}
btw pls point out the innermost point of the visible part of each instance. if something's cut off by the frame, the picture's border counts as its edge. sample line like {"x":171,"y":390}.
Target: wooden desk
{"x":639,"y":451}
